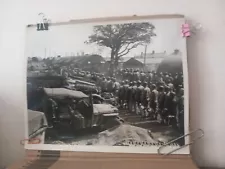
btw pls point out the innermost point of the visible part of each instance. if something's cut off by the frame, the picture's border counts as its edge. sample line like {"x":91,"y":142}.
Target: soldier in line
{"x":169,"y":103}
{"x":142,"y":76}
{"x":116,"y":86}
{"x":139,"y":94}
{"x":126,"y":85}
{"x":161,"y":100}
{"x":136,"y":75}
{"x":121,"y":94}
{"x":149,"y":76}
{"x":161,"y":86}
{"x":129,"y":97}
{"x":110,"y":85}
{"x":134,"y":90}
{"x":104,"y":85}
{"x":153,"y":100}
{"x":146,"y":98}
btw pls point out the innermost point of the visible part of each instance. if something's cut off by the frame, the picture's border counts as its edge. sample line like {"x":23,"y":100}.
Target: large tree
{"x":122,"y":38}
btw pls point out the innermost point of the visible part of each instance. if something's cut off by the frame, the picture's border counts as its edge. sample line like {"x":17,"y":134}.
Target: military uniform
{"x":116,"y":86}
{"x":137,"y":76}
{"x":146,"y":96}
{"x":109,"y":86}
{"x":126,"y":92}
{"x":104,"y":85}
{"x":121,"y":94}
{"x":154,"y":78}
{"x":129,"y":97}
{"x":154,"y":99}
{"x":134,"y":90}
{"x":142,"y":77}
{"x":139,"y":94}
{"x":125,"y":75}
{"x":161,"y":100}
{"x":169,"y":103}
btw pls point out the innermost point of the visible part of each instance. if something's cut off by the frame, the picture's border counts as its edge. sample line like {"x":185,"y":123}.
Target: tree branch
{"x":127,"y":45}
{"x":122,"y":38}
{"x":128,"y":49}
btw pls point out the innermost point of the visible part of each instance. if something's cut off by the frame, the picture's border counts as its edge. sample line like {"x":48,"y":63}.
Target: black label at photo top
{"x":42,"y":26}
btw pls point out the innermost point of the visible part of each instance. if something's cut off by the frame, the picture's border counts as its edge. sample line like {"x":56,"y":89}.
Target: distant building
{"x":133,"y":63}
{"x":86,"y":62}
{"x":150,"y":62}
{"x":93,"y":63}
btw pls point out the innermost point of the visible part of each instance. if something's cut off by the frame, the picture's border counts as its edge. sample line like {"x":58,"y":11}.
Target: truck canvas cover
{"x":62,"y":92}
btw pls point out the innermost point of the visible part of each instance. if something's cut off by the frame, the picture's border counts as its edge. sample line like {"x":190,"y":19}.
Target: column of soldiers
{"x":146,"y":93}
{"x":150,"y":94}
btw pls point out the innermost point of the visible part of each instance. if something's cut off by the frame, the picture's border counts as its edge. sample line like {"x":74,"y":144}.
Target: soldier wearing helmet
{"x":142,"y":76}
{"x":139,"y":93}
{"x":109,"y":85}
{"x":136,"y":75}
{"x":116,"y":86}
{"x":146,"y":94}
{"x":104,"y":85}
{"x":126,"y":85}
{"x":170,"y":103}
{"x":154,"y":100}
{"x":161,"y":100}
{"x":121,"y":94}
{"x":134,"y":90}
{"x":129,"y":97}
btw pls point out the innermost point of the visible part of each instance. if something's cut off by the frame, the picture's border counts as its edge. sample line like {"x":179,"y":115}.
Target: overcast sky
{"x":69,"y":39}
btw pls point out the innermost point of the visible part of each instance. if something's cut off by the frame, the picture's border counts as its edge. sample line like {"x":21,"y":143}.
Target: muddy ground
{"x":135,"y":128}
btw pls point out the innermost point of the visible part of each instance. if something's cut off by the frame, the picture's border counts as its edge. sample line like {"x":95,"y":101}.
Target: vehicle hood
{"x":36,"y":120}
{"x":104,"y":109}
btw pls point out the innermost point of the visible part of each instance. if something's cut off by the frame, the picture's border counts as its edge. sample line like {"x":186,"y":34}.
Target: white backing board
{"x":205,"y":59}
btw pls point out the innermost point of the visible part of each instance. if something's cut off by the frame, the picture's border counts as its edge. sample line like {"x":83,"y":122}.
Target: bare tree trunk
{"x":111,"y":70}
{"x":116,"y":60}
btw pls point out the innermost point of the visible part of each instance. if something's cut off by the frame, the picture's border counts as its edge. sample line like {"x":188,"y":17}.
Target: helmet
{"x":161,"y":87}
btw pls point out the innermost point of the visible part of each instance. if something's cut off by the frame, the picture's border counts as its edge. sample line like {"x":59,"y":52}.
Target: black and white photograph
{"x":107,"y":83}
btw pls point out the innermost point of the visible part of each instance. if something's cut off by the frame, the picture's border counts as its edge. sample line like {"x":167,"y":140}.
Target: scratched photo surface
{"x":107,"y":84}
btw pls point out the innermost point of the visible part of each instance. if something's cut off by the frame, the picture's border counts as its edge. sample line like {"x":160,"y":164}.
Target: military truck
{"x":82,"y":85}
{"x":77,"y":111}
{"x":35,"y":85}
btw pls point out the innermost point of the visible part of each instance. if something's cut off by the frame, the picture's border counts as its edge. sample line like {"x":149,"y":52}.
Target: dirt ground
{"x":135,"y":128}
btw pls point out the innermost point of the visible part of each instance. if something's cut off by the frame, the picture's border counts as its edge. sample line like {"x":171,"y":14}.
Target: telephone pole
{"x":45,"y":53}
{"x":145,"y":55}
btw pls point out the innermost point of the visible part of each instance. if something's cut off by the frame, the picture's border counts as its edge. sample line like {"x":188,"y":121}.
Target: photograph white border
{"x":123,"y":149}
